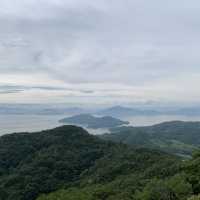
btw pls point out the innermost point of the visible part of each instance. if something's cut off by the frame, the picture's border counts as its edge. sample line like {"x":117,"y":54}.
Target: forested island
{"x":94,"y":122}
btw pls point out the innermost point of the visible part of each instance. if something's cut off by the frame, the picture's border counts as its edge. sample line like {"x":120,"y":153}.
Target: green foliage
{"x":128,"y":189}
{"x":175,"y":188}
{"x":42,"y":162}
{"x":36,"y":163}
{"x":192,"y":169}
{"x":68,"y":163}
{"x":194,"y":197}
{"x":179,"y":138}
{"x":156,"y":189}
{"x":149,"y":185}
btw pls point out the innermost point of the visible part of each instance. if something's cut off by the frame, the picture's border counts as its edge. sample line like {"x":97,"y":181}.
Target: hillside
{"x":185,"y":185}
{"x":68,"y":157}
{"x":176,"y":137}
{"x":94,"y":122}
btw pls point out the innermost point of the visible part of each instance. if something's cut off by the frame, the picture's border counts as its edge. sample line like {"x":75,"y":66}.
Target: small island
{"x":91,"y":121}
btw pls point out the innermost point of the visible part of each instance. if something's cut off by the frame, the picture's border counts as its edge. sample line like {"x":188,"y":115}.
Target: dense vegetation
{"x":180,"y":138}
{"x":77,"y":166}
{"x":149,"y":185}
{"x":44,"y":161}
{"x":94,"y":122}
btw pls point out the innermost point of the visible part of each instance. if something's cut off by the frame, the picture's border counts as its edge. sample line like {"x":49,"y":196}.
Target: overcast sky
{"x":99,"y":51}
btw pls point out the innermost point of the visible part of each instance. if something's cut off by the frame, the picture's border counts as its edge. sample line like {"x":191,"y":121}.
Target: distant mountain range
{"x":35,"y":109}
{"x":177,"y":137}
{"x":115,"y":111}
{"x":120,"y":111}
{"x":94,"y":122}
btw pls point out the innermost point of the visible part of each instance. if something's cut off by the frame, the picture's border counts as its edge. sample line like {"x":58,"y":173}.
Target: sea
{"x":10,"y":123}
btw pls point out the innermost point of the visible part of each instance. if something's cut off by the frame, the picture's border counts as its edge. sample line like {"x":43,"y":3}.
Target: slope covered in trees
{"x":183,"y":185}
{"x":35,"y":163}
{"x":68,"y":163}
{"x":42,"y":162}
{"x":177,"y":137}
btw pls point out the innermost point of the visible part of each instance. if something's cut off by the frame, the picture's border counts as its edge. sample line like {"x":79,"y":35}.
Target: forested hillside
{"x":70,"y":164}
{"x":177,"y":137}
{"x":183,"y":184}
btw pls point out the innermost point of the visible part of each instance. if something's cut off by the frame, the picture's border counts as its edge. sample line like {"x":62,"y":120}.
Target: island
{"x":94,"y":122}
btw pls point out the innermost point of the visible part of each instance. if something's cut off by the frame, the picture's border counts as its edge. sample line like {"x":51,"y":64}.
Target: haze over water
{"x":31,"y":123}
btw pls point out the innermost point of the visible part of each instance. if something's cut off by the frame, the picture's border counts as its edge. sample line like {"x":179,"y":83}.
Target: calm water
{"x":32,"y":123}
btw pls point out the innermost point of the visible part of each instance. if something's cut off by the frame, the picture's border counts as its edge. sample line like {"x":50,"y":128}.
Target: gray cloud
{"x":17,"y":88}
{"x":10,"y":91}
{"x":136,"y":43}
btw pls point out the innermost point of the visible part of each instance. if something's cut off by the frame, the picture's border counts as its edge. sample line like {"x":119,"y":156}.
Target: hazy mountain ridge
{"x":37,"y":109}
{"x":123,"y":111}
{"x":114,"y":111}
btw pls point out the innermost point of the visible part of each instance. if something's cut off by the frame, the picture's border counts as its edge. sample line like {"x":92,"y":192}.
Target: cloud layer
{"x":99,"y":51}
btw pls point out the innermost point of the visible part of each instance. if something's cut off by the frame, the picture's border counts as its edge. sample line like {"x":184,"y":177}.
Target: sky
{"x":100,"y":52}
